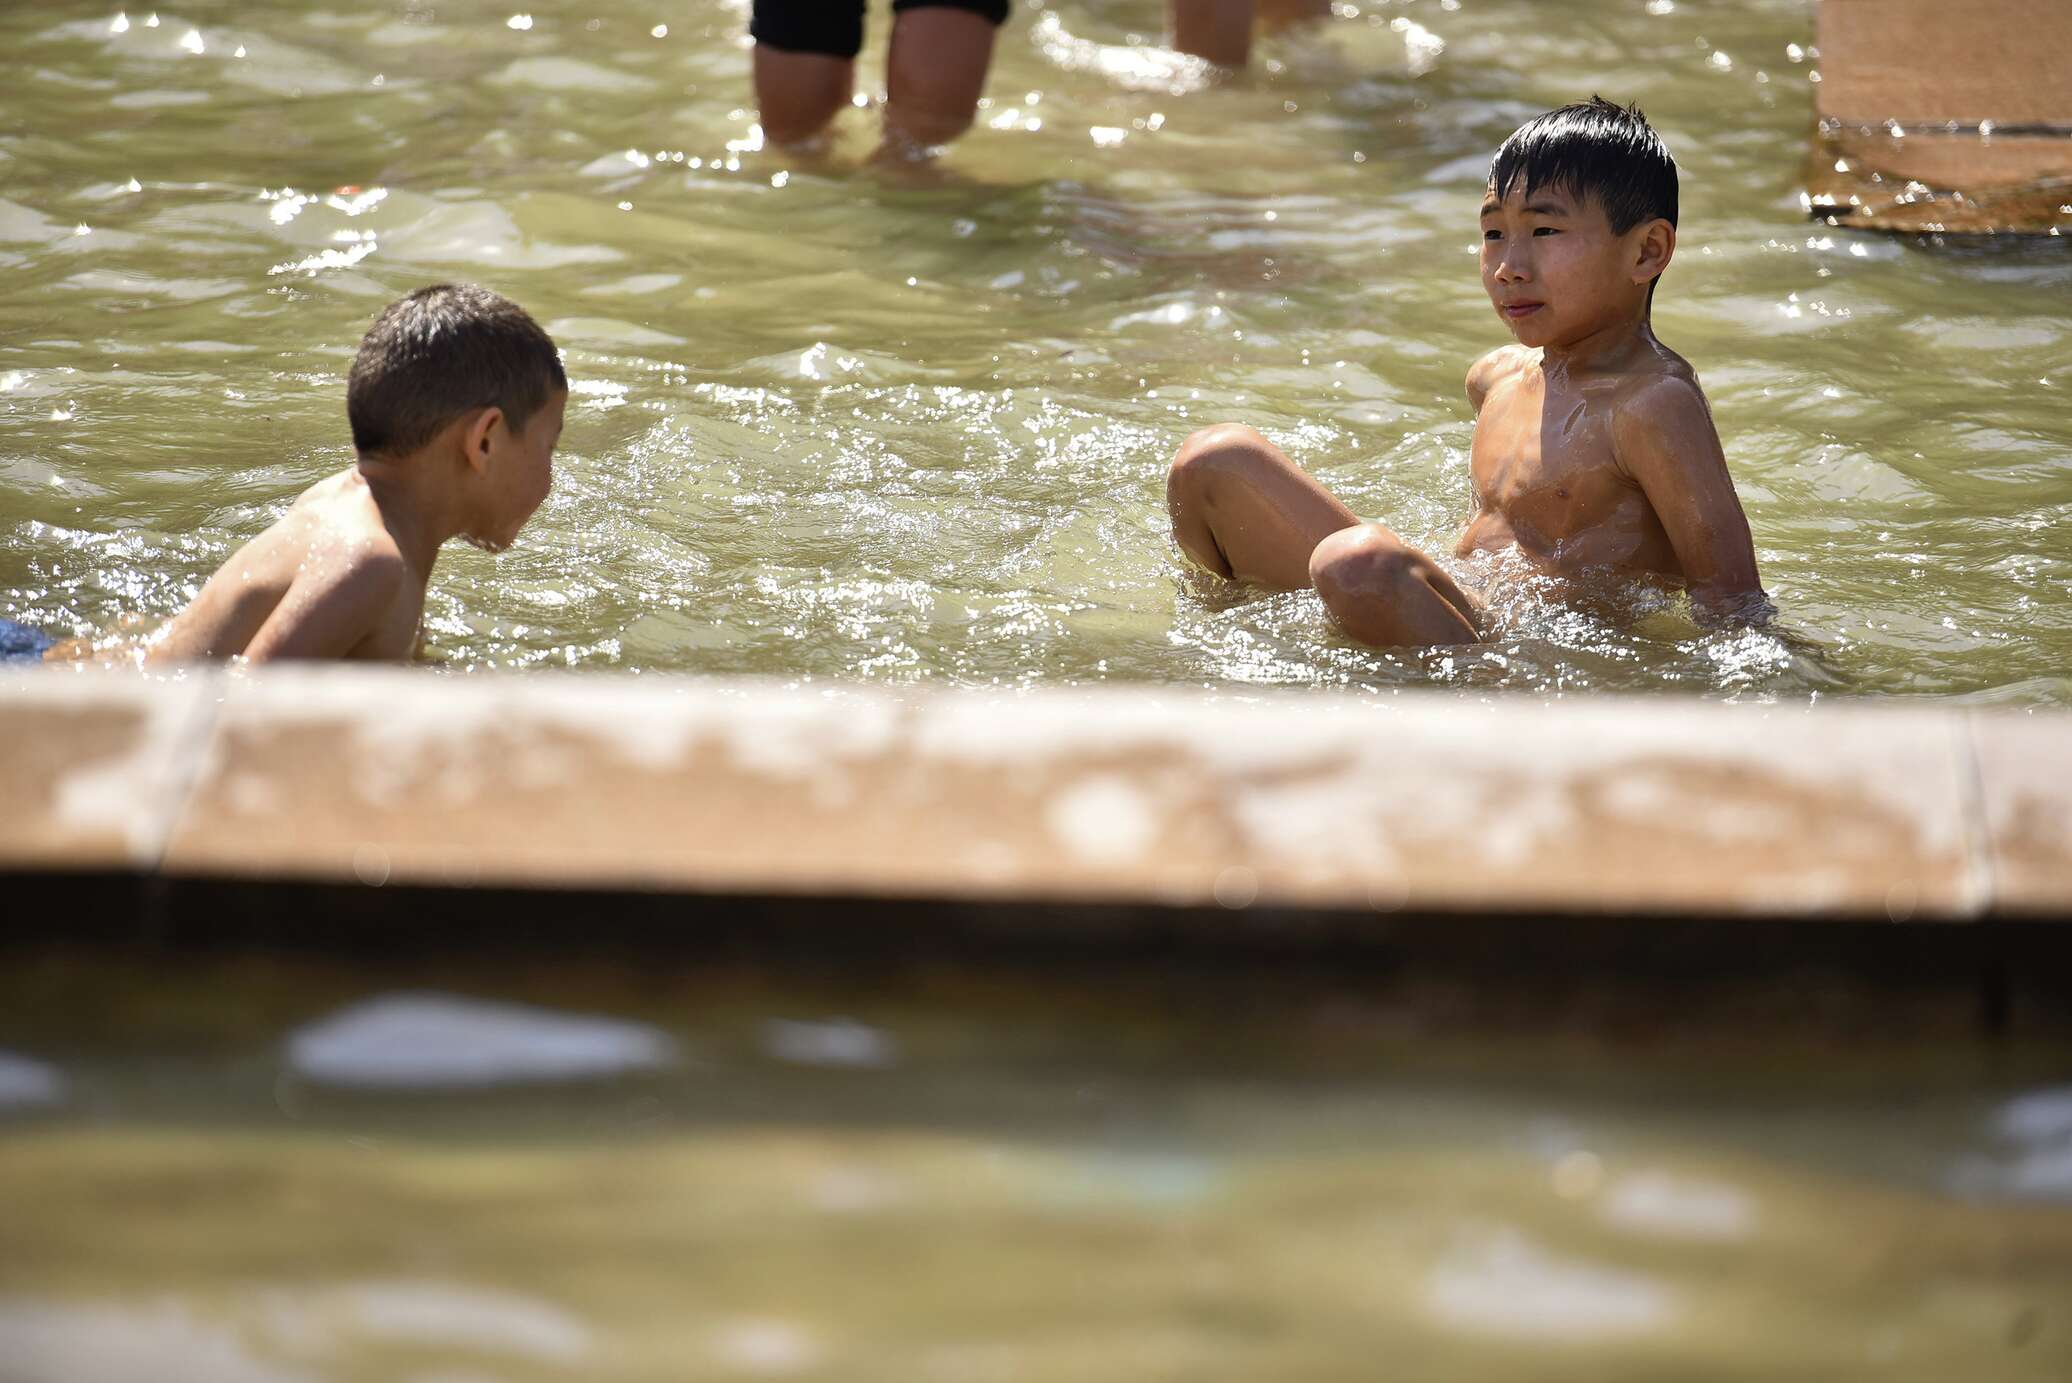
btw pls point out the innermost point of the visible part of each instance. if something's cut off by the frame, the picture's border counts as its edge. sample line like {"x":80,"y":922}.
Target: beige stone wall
{"x":1320,"y":800}
{"x":1897,"y":75}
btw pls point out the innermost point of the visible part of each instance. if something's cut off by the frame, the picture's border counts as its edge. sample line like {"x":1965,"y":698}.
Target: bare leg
{"x":1386,"y":593}
{"x":1242,"y":509}
{"x":1217,"y":30}
{"x":933,"y":78}
{"x":1278,"y":14}
{"x":799,"y":93}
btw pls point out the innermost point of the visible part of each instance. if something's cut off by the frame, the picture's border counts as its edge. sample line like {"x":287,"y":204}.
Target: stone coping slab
{"x":1337,"y":801}
{"x":1938,"y":117}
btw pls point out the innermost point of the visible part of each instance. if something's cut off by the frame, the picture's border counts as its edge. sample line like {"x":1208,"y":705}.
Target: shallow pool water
{"x":254,"y":1171}
{"x":833,"y":424}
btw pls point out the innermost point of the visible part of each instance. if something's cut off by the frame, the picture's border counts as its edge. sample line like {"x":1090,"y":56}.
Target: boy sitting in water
{"x":1594,"y":449}
{"x":455,"y":400}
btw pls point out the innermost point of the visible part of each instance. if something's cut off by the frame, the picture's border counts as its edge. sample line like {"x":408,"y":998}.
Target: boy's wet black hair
{"x":441,"y":352}
{"x":1594,"y":149}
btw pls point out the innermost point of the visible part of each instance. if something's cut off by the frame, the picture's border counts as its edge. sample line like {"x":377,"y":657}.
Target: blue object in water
{"x":21,"y":644}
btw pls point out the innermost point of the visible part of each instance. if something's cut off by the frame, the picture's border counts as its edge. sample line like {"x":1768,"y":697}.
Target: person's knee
{"x":1210,"y":453}
{"x":927,"y":125}
{"x":798,"y":94}
{"x":795,"y":125}
{"x":1361,"y":562}
{"x":936,"y":72}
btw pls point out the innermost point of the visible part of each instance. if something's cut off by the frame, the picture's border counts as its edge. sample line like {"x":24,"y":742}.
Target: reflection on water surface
{"x":830,"y":424}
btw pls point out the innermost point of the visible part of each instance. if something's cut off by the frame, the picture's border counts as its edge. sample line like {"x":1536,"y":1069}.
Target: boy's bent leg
{"x":1242,"y":509}
{"x":1387,"y":594}
{"x":936,"y":71}
{"x":805,"y":53}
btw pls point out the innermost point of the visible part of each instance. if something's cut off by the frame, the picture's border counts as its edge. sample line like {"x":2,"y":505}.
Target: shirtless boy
{"x":1594,"y":449}
{"x":455,"y":401}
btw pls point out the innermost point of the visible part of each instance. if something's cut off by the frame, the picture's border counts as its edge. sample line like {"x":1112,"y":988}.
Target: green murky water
{"x":248,"y":1172}
{"x":832,"y":425}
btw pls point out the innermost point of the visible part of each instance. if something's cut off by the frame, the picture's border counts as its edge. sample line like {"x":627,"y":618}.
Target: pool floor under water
{"x":261,"y":1169}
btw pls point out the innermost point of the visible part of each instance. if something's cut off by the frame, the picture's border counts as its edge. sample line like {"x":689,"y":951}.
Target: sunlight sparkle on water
{"x":970,"y":382}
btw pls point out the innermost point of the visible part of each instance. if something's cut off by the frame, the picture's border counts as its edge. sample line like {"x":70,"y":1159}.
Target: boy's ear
{"x":478,"y":435}
{"x":1654,"y":247}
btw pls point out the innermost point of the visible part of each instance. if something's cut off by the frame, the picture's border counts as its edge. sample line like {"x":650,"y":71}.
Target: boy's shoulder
{"x":1660,"y":416}
{"x":1658,"y":384}
{"x":1494,"y":366}
{"x":344,"y":534}
{"x":351,"y":591}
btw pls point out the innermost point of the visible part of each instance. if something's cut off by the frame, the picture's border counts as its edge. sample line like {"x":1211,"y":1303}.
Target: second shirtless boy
{"x":456,"y":400}
{"x":1594,"y":449}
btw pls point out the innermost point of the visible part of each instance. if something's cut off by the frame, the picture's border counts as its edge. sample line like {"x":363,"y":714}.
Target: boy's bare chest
{"x":1546,"y":460}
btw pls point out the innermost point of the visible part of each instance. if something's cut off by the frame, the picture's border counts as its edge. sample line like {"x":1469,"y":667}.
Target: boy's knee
{"x":1209,"y":451}
{"x":1219,"y":437}
{"x":1363,"y":560}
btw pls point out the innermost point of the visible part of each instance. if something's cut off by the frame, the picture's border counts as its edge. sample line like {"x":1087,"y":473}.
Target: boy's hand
{"x":1664,"y":438}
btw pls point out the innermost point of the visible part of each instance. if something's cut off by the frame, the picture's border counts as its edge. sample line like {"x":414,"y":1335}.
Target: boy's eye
{"x":1492,"y":235}
{"x":1545,"y":230}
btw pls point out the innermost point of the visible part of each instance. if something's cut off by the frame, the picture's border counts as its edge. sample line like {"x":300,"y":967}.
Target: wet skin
{"x":1221,"y":30}
{"x":343,"y":573}
{"x":1546,"y":476}
{"x":935,"y":73}
{"x":1594,"y":451}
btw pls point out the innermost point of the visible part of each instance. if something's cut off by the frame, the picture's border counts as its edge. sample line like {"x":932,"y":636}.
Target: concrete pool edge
{"x":1164,"y":797}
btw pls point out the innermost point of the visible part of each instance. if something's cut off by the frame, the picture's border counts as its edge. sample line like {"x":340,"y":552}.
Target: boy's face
{"x":522,"y":471}
{"x":1552,"y":266}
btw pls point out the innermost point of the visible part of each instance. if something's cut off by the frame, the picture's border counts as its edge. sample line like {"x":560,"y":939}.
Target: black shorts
{"x":835,"y":27}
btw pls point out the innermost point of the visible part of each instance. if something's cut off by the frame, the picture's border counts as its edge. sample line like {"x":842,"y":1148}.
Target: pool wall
{"x":1137,"y":796}
{"x":1937,"y":117}
{"x":1677,"y":861}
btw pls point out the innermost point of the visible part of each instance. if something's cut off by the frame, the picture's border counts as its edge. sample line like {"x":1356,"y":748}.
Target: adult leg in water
{"x":805,"y":60}
{"x":1221,"y":30}
{"x":934,"y":76}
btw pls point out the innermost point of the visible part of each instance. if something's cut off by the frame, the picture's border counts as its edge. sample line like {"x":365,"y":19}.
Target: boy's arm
{"x":1481,"y":375}
{"x":1665,"y":439}
{"x":327,"y":616}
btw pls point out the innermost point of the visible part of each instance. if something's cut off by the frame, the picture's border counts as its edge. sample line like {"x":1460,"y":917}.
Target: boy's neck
{"x":418,"y":513}
{"x":1605,"y":347}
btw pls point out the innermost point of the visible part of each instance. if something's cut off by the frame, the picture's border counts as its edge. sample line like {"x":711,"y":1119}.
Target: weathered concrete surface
{"x":1128,"y":795}
{"x":95,"y":768}
{"x":2025,"y":786}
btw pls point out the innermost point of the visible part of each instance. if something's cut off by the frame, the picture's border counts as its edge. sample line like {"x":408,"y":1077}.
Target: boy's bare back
{"x":328,"y":579}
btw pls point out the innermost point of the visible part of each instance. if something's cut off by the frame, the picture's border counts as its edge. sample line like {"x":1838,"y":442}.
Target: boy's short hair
{"x":439,"y":353}
{"x":1594,"y":149}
